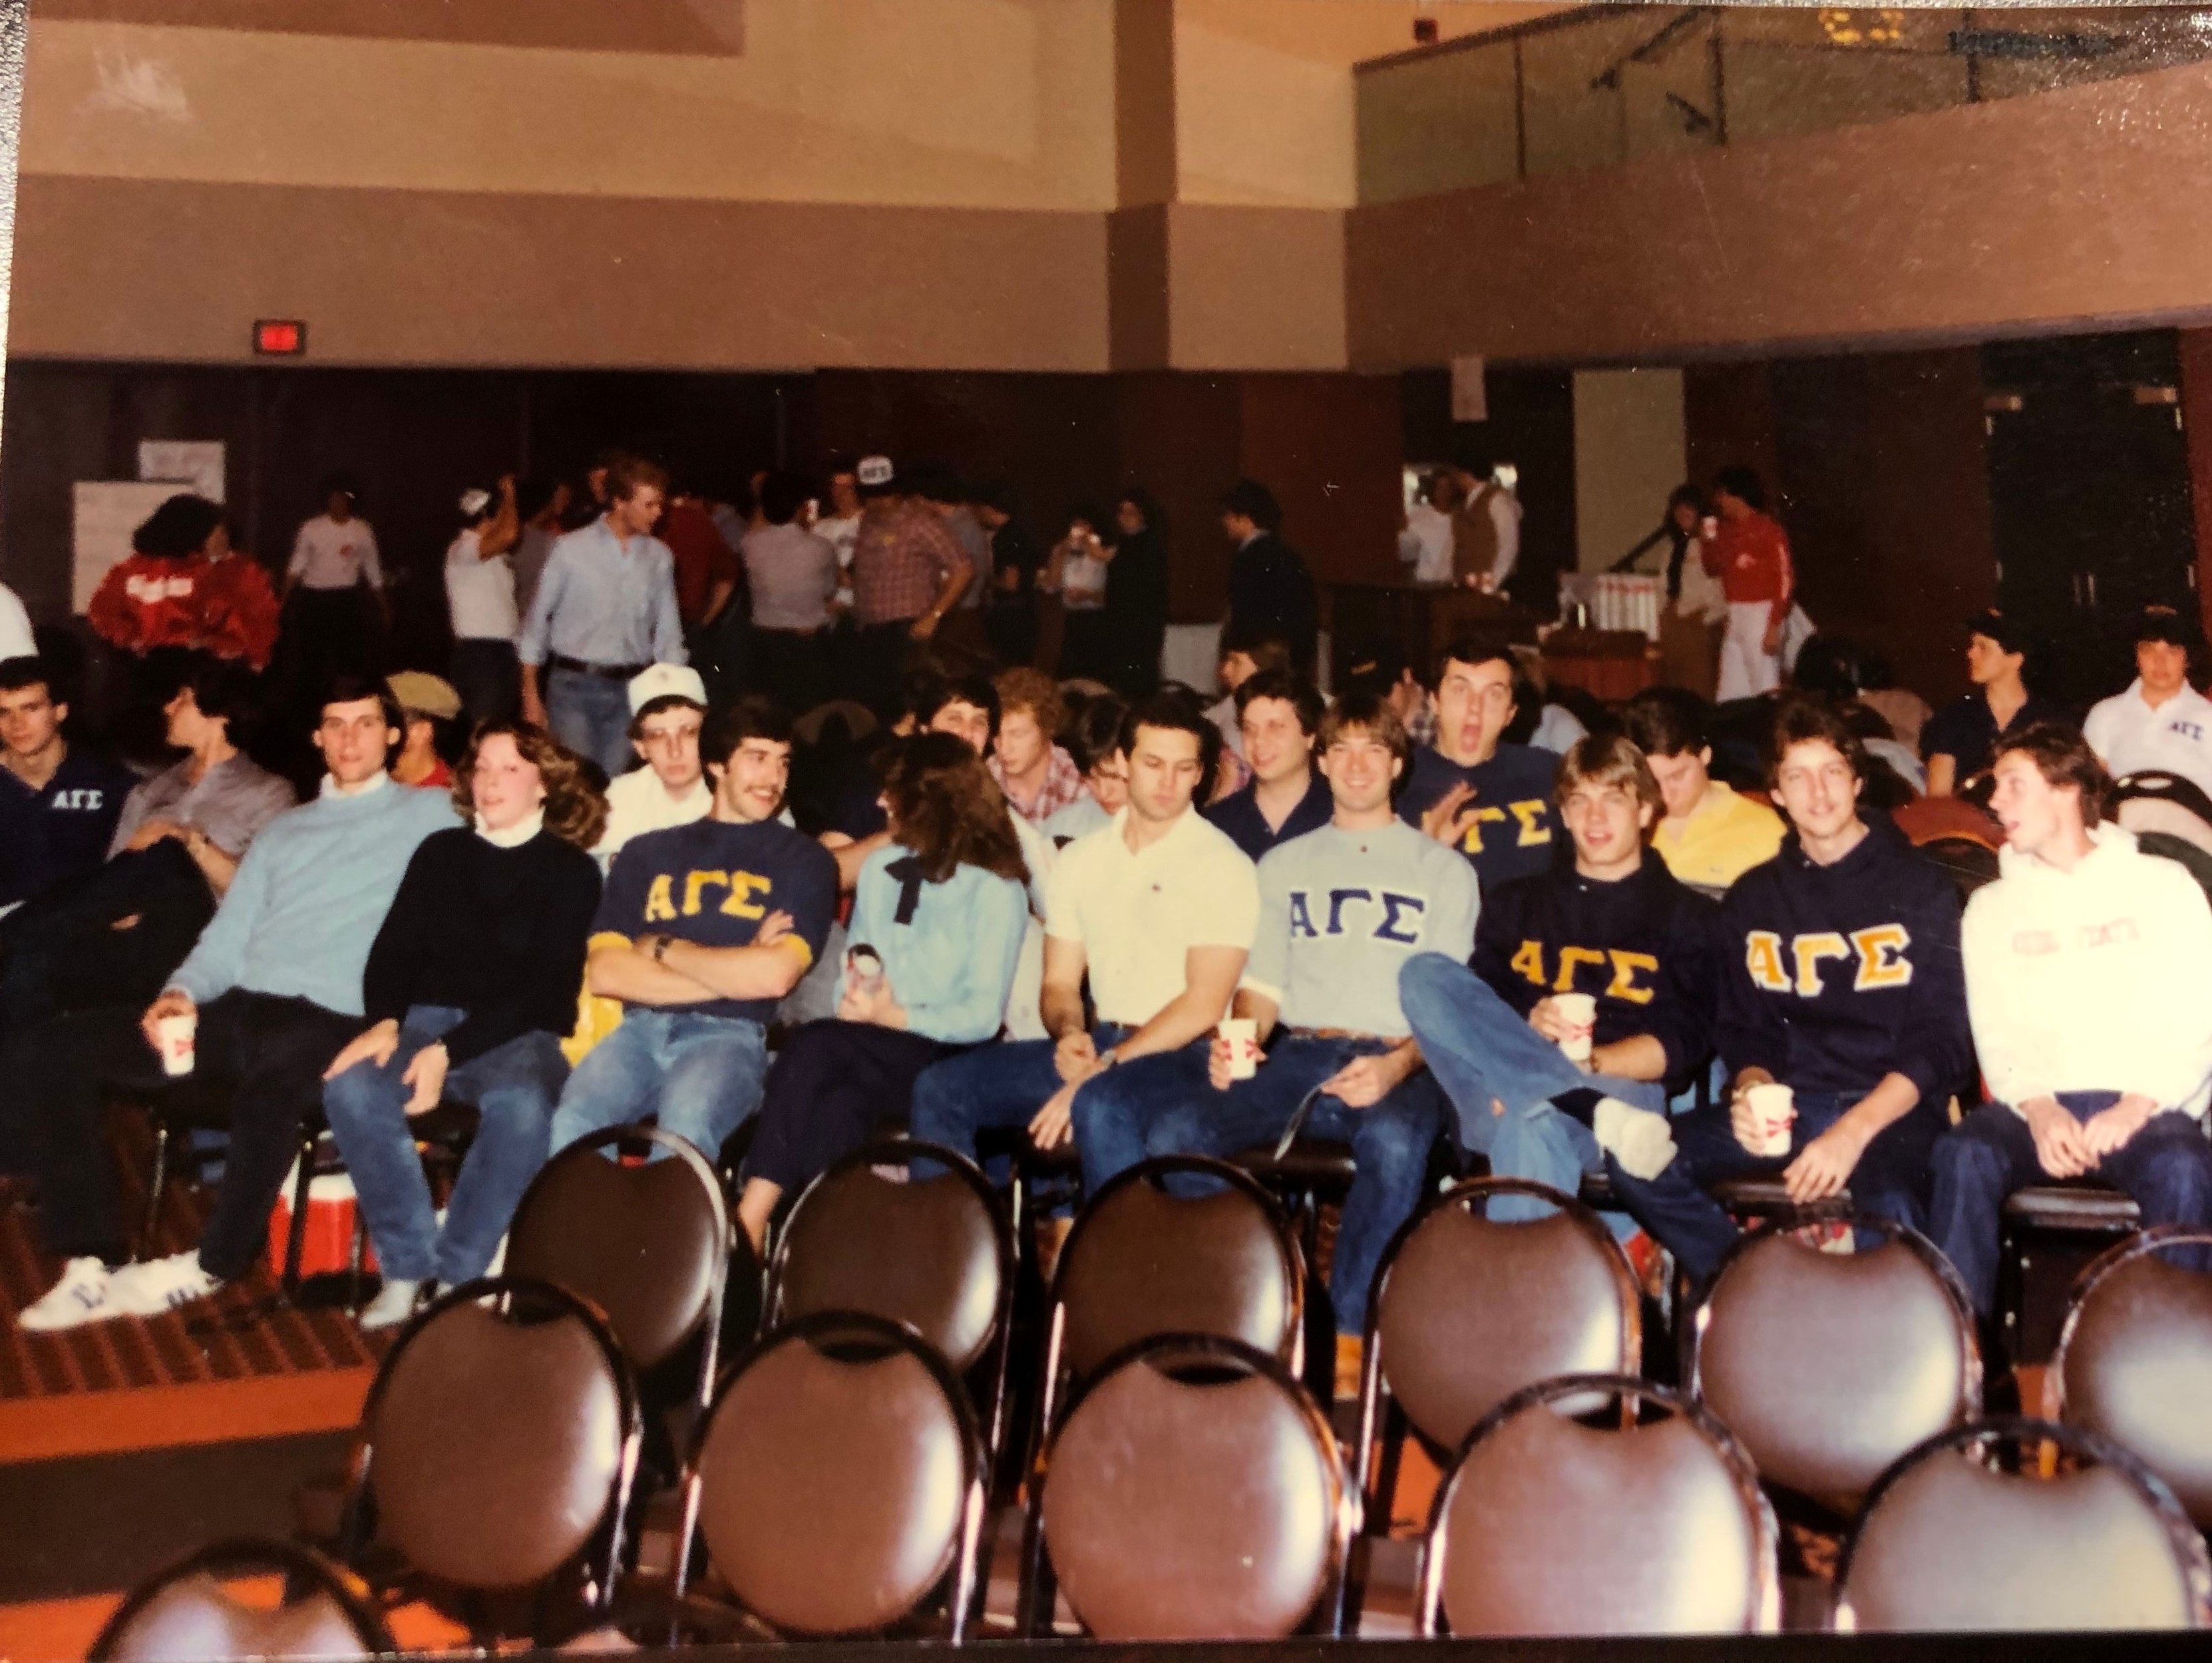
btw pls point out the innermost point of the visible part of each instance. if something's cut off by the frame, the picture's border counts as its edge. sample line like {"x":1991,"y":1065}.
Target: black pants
{"x":269,"y":1053}
{"x":833,"y":1085}
{"x":879,"y":652}
{"x":61,"y":951}
{"x":792,"y":665}
{"x":489,"y":679}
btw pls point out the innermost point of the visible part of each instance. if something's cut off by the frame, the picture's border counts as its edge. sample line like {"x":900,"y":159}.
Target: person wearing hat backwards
{"x":1960,"y":740}
{"x":668,"y":707}
{"x":2160,"y":721}
{"x":428,"y":702}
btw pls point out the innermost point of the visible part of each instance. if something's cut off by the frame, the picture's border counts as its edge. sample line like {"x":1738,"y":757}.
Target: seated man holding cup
{"x":1586,"y":999}
{"x":1341,"y":908}
{"x":271,"y":992}
{"x":1843,"y":1012}
{"x":2086,"y":963}
{"x":1159,"y":907}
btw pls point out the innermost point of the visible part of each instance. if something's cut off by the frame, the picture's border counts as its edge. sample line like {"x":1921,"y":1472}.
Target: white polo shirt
{"x":2128,"y":736}
{"x":1137,"y":915}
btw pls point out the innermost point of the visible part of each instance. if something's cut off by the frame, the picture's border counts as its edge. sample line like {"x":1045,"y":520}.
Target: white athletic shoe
{"x":80,"y":1297}
{"x":159,"y":1286}
{"x":393,"y":1304}
{"x":1641,"y":1141}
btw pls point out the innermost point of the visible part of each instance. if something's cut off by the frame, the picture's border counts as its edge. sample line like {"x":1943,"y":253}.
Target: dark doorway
{"x":2088,"y":494}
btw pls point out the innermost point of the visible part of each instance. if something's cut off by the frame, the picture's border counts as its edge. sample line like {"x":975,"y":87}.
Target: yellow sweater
{"x":1723,"y":838}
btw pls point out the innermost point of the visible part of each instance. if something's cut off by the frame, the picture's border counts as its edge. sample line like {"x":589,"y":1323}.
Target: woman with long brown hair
{"x":470,"y":985}
{"x":937,"y":924}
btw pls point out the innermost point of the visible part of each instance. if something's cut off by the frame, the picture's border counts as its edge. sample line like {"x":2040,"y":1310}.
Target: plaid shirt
{"x":1063,"y":784}
{"x":902,"y":555}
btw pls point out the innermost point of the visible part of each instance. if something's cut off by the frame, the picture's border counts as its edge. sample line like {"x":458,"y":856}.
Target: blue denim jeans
{"x":1483,"y":1052}
{"x":513,"y":1087}
{"x":1390,"y":1143}
{"x":1005,"y":1085}
{"x":701,"y":1076}
{"x":1890,"y":1181}
{"x":2166,"y":1168}
{"x":590,"y":714}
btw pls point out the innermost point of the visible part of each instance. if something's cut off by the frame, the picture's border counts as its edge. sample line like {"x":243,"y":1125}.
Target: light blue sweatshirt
{"x":307,"y":901}
{"x":951,"y":963}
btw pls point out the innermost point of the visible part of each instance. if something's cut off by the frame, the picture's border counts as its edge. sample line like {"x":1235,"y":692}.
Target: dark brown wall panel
{"x":1330,"y":447}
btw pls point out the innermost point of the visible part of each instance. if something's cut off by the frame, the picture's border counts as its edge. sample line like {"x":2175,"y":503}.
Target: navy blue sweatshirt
{"x":1513,"y":834}
{"x":1642,"y":944}
{"x":1836,"y":975}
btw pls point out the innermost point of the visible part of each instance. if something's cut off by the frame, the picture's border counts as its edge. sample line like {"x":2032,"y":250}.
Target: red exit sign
{"x":280,"y":338}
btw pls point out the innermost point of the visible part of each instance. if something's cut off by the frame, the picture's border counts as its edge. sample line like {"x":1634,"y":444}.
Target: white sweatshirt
{"x":2095,"y":980}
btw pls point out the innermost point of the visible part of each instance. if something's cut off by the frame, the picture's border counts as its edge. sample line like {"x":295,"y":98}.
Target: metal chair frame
{"x":1930,"y":1257}
{"x":603,"y":1569}
{"x":1629,"y":1391}
{"x":1982,"y":1438}
{"x":1376,"y":1486}
{"x":1039,"y":1585}
{"x":302,"y":1568}
{"x":902,"y":1151}
{"x":1051,"y":1389}
{"x":967,"y":1590}
{"x":709,"y":1318}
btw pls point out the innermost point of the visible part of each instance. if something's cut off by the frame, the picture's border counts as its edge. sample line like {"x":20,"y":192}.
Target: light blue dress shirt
{"x":605,"y":601}
{"x":950,"y":965}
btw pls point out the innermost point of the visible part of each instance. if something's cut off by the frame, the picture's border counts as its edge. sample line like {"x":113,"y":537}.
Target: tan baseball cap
{"x":421,"y":694}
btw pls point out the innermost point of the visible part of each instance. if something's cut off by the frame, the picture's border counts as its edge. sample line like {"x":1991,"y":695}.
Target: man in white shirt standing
{"x":2160,"y":721}
{"x":1160,"y":908}
{"x":1425,"y":542}
{"x":2085,"y":963}
{"x":333,"y":557}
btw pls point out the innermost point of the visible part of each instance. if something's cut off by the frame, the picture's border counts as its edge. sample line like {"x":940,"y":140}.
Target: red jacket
{"x":226,"y":607}
{"x":1751,"y":557}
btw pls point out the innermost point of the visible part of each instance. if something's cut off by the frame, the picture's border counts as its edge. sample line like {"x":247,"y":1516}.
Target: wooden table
{"x":1612,"y":664}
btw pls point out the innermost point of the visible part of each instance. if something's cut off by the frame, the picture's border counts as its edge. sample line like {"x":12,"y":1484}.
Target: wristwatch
{"x":660,"y":949}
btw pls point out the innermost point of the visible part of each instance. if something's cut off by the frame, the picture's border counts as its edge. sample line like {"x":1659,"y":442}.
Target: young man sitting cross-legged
{"x":1341,"y":908}
{"x":2086,"y":966}
{"x":1159,"y":907}
{"x":1840,"y":978}
{"x":1618,"y":928}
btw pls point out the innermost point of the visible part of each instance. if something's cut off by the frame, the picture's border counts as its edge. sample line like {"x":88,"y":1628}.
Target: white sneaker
{"x":1641,"y":1141}
{"x":80,"y":1297}
{"x":159,"y":1286}
{"x":393,"y":1304}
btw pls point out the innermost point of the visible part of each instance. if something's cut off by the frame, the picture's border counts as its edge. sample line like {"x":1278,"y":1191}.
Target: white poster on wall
{"x":107,"y":512}
{"x":1469,"y":402}
{"x":196,"y":463}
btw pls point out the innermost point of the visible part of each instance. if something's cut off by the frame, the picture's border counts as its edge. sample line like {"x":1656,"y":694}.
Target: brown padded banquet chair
{"x":185,"y":1614}
{"x":1829,"y":1366}
{"x":1468,"y":1310}
{"x":495,"y":1459}
{"x":837,"y":1484}
{"x":1546,"y":1524}
{"x":645,"y":1242}
{"x":1142,"y":1261}
{"x":1193,"y":1491}
{"x":934,"y":1254}
{"x":2135,"y":1361}
{"x":1963,"y":1534}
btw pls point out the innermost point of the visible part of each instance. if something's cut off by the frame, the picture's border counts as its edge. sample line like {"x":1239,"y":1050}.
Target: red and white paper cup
{"x":1242,"y":1035}
{"x":1580,"y":1010}
{"x":176,"y":1036}
{"x":1773,"y":1113}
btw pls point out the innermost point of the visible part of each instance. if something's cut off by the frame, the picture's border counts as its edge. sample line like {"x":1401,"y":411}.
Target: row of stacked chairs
{"x":1179,"y":1481}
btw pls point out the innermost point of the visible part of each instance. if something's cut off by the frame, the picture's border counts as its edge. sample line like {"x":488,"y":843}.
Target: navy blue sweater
{"x":1642,"y":945}
{"x":1834,"y":976}
{"x":1514,"y":832}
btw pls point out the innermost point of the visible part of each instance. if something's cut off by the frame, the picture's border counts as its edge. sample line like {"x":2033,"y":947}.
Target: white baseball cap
{"x":872,"y":471}
{"x":665,"y":681}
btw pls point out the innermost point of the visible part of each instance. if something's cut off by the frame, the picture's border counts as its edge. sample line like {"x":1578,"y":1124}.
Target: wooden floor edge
{"x":163,"y":1417}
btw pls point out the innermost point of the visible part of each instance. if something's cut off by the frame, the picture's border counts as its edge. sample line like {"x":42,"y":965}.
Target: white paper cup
{"x":176,"y":1037}
{"x":1581,"y":1011}
{"x":1242,"y":1036}
{"x":1773,"y":1112}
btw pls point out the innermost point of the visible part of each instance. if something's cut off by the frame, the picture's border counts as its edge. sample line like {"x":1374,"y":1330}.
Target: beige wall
{"x":1629,"y":453}
{"x":2043,"y":212}
{"x":999,"y":103}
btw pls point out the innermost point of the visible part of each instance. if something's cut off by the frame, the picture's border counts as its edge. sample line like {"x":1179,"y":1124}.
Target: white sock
{"x":1641,"y":1141}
